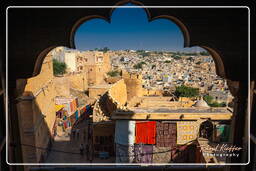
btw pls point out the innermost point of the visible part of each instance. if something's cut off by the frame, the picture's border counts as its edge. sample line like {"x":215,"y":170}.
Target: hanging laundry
{"x":166,"y":134}
{"x":76,"y":114}
{"x":143,"y":153}
{"x":124,"y":153}
{"x":162,"y":154}
{"x":71,"y":106}
{"x":65,"y":124}
{"x":146,"y":132}
{"x":88,"y":109}
{"x":82,"y":111}
{"x":74,"y":104}
{"x":68,"y":108}
{"x":76,"y":101}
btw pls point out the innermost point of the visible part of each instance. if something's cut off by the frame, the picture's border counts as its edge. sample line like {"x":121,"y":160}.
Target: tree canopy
{"x":113,"y":73}
{"x":208,"y":99}
{"x":139,"y":65}
{"x":204,"y":53}
{"x":59,"y":67}
{"x":210,"y":102}
{"x":184,"y":91}
{"x":105,"y":49}
{"x":177,"y":57}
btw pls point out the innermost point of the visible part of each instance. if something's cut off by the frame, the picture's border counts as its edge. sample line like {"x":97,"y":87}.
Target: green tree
{"x":184,"y":91}
{"x":143,"y":54}
{"x":216,"y":104}
{"x":113,"y":73}
{"x":204,"y":53}
{"x":122,"y":59}
{"x":210,"y":102}
{"x":105,"y":49}
{"x":59,"y":67}
{"x":177,"y":57}
{"x":139,"y":65}
{"x":208,"y":99}
{"x":140,"y":51}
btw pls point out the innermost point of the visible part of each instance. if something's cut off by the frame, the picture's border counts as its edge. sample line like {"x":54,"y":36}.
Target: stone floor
{"x":65,"y":148}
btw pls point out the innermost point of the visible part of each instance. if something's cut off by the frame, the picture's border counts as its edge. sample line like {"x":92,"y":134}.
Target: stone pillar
{"x":239,"y":122}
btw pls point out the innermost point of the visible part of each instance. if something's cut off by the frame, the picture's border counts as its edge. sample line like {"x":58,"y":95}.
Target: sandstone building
{"x":36,"y":112}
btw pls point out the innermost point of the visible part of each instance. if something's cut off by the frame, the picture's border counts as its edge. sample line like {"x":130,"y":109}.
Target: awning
{"x":58,"y":107}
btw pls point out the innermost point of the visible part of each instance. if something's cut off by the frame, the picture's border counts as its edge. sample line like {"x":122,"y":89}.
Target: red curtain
{"x":146,"y":132}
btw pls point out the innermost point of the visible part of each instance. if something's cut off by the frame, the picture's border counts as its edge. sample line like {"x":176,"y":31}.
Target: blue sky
{"x":130,"y":29}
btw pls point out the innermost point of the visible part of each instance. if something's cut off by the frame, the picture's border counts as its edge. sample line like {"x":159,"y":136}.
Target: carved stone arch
{"x":180,"y":24}
{"x":81,"y":21}
{"x":220,"y":70}
{"x":219,"y":65}
{"x":123,"y":2}
{"x":40,"y":59}
{"x":106,"y":18}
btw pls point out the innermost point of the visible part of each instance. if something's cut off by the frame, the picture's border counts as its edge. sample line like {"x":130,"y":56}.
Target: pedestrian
{"x":81,"y":149}
{"x":87,"y":151}
{"x":55,"y":131}
{"x":73,"y":134}
{"x":77,"y":134}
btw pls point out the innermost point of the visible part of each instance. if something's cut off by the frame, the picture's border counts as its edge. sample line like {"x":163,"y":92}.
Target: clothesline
{"x":61,"y":151}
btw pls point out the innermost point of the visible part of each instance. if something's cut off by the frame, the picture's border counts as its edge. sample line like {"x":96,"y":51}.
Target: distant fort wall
{"x":133,"y":83}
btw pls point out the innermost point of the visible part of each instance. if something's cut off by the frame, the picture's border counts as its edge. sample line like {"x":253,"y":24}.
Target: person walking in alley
{"x":77,"y":134}
{"x":87,"y":152}
{"x":82,"y":149}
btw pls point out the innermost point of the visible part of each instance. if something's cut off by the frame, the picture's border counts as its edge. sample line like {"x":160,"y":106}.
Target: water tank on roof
{"x":201,"y":103}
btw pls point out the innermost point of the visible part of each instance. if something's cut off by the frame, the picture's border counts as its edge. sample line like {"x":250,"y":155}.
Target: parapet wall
{"x":77,"y":81}
{"x":118,"y":93}
{"x":114,"y":98}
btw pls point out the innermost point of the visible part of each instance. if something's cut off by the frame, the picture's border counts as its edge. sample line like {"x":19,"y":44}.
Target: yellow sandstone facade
{"x":36,"y":113}
{"x":96,"y":66}
{"x":134,"y":84}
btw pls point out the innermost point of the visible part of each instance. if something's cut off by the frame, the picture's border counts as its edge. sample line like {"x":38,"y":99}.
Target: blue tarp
{"x":76,"y":114}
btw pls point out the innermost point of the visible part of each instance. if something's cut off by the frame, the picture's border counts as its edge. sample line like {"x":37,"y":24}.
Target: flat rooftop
{"x":191,"y":113}
{"x":100,"y":86}
{"x":180,"y":110}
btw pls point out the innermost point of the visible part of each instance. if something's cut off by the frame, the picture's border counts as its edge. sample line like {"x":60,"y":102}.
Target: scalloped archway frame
{"x":220,"y":69}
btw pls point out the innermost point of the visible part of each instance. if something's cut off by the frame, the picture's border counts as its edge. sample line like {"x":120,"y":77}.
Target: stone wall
{"x":97,"y":91}
{"x":36,"y":112}
{"x":112,"y":80}
{"x":147,"y":92}
{"x":62,"y":86}
{"x":134,"y":84}
{"x":114,"y":98}
{"x":118,"y":93}
{"x":77,"y":81}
